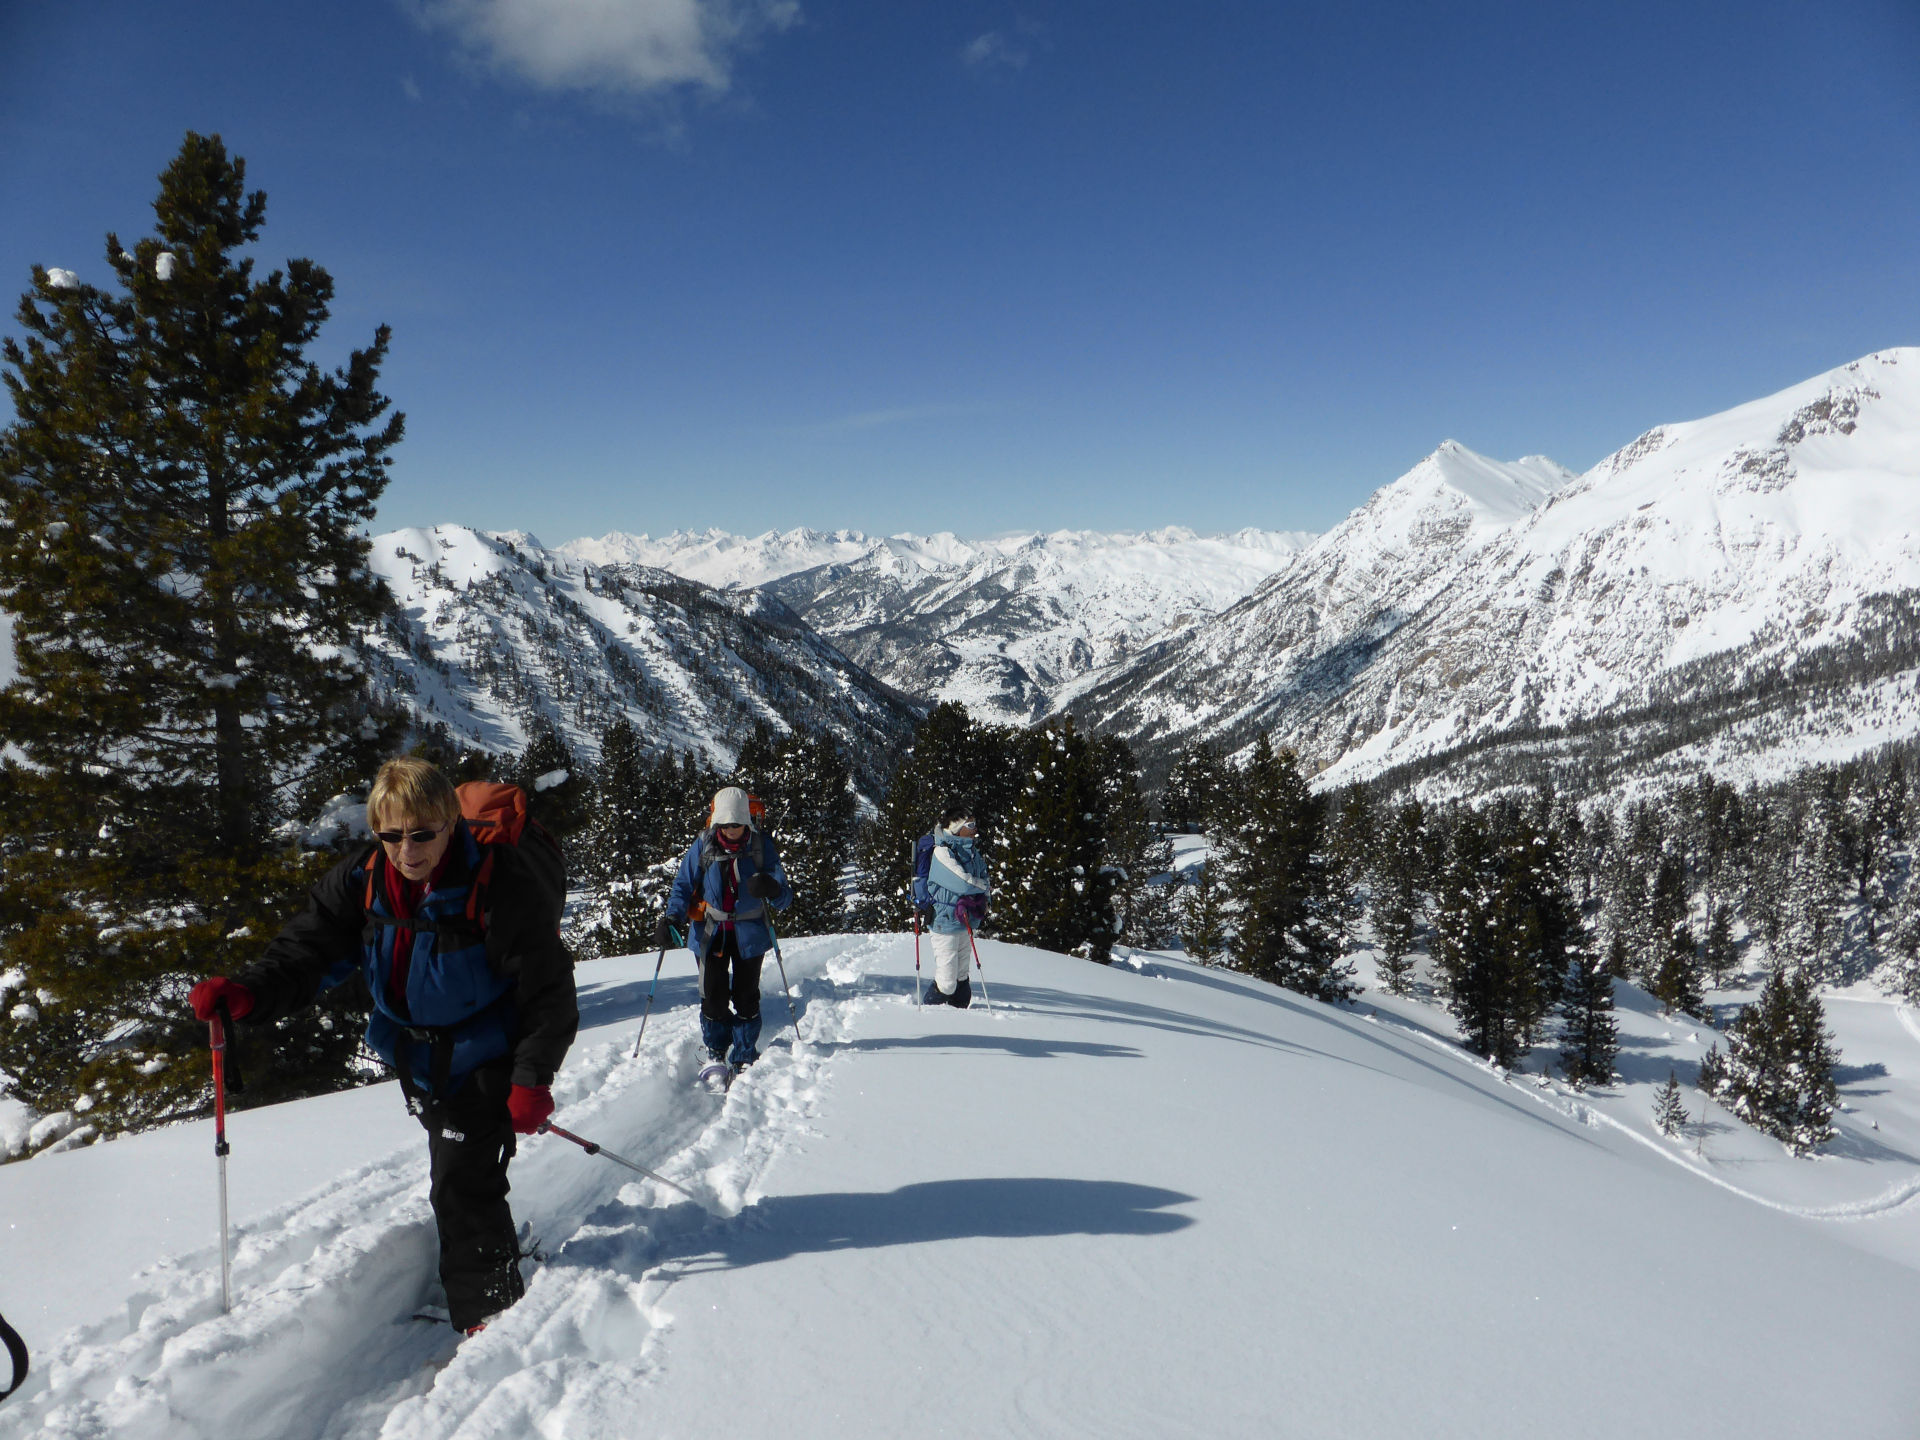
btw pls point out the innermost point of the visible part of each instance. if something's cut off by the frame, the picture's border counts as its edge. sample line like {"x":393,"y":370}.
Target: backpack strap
{"x":17,"y":1352}
{"x":711,"y":855}
{"x":476,"y":912}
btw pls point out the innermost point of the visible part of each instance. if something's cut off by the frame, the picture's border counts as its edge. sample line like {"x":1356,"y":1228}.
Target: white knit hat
{"x":730,"y":807}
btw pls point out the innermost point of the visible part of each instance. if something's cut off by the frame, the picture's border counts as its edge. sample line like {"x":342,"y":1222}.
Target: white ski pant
{"x":951,"y":957}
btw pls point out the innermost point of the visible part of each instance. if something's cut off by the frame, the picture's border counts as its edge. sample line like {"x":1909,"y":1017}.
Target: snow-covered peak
{"x":1455,"y":496}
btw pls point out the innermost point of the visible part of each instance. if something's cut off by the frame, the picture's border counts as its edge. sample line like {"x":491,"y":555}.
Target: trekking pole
{"x":916,"y":955}
{"x":656,"y":980}
{"x":785,"y":989}
{"x":547,"y":1127}
{"x":226,"y":1072}
{"x":976,"y":962}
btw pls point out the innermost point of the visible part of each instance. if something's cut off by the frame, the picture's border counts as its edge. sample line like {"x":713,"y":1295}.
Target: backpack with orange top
{"x":499,"y":817}
{"x":711,"y":855}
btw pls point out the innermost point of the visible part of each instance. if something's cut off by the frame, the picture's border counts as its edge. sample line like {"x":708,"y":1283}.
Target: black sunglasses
{"x":418,"y":837}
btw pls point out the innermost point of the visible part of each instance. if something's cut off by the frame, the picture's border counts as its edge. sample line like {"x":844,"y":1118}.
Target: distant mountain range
{"x":1010,"y":627}
{"x":1740,"y":592}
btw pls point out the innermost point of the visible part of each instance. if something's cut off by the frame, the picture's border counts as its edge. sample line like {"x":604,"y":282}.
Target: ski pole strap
{"x":17,"y":1352}
{"x":235,"y":1085}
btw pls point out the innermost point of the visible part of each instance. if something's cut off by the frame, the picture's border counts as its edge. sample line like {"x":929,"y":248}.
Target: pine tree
{"x":1050,"y":883}
{"x":1778,"y":1075}
{"x":1193,"y":790}
{"x":621,"y":840}
{"x":1590,"y":1039}
{"x":1154,"y":920}
{"x":1675,"y":981}
{"x":1669,"y":1114}
{"x":1719,"y":956}
{"x":183,"y":498}
{"x":1619,"y":964}
{"x":1291,"y":904}
{"x":808,"y":789}
{"x":1127,"y":837}
{"x":1398,"y":873}
{"x":1203,"y":914}
{"x":1479,"y":946}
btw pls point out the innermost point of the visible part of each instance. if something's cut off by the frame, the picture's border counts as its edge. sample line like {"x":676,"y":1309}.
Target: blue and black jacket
{"x":700,"y":883}
{"x":487,"y":976}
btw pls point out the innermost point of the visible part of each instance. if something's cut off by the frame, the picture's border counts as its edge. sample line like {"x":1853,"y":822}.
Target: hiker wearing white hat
{"x":728,"y":879}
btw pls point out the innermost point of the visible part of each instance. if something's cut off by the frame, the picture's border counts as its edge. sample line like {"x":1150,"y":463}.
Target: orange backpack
{"x":497,"y":815}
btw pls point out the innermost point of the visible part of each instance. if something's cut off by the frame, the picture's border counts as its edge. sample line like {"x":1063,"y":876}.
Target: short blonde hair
{"x":408,"y":788}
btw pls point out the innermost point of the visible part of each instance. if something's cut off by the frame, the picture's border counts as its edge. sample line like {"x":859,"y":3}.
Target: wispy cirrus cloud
{"x":1004,"y":49}
{"x":615,"y":47}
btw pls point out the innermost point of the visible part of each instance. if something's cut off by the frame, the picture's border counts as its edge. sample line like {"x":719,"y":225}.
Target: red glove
{"x":207,"y":995}
{"x":529,"y":1105}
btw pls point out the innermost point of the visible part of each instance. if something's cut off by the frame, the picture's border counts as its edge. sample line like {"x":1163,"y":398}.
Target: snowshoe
{"x":716,"y":1075}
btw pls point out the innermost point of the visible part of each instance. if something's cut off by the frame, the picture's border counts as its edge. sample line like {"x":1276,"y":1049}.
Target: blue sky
{"x":654,"y":264}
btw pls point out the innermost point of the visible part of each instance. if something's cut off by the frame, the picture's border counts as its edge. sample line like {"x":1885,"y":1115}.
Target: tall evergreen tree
{"x":1127,"y":837}
{"x":1675,"y":981}
{"x":1481,"y":945}
{"x":1398,"y":875}
{"x":1291,"y":903}
{"x":183,"y":497}
{"x":1778,"y":1074}
{"x":1193,"y":789}
{"x":1051,"y":885}
{"x":808,"y":788}
{"x":1203,"y":914}
{"x":1590,"y":1039}
{"x":559,"y":792}
{"x":1719,"y":955}
{"x":621,"y":840}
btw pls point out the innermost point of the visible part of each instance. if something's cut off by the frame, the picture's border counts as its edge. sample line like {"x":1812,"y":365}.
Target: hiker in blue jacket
{"x":728,"y":878}
{"x":472,"y":988}
{"x":951,"y":894}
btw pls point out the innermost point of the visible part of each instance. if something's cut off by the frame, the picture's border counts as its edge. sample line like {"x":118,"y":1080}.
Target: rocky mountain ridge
{"x":494,"y":636}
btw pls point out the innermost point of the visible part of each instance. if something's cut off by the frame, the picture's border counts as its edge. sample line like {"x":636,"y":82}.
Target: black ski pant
{"x":469,"y":1141}
{"x":730,"y":998}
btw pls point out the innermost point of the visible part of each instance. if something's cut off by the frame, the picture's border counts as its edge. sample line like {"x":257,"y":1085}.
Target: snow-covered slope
{"x":1144,"y":1200}
{"x":1011,"y":626}
{"x":495,"y":635}
{"x":1739,"y":588}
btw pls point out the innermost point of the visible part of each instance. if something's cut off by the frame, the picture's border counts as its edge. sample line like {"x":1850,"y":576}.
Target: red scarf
{"x":729,"y":871}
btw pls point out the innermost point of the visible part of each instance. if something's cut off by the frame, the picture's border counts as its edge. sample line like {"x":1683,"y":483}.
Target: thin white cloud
{"x":627,"y":47}
{"x":409,"y":88}
{"x":995,"y":49}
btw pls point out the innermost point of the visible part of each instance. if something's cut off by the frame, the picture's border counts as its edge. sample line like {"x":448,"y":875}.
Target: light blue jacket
{"x":966,"y":858}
